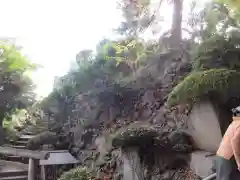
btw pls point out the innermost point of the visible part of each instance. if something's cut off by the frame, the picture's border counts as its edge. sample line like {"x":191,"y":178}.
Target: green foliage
{"x":216,"y":58}
{"x":16,"y":119}
{"x":219,"y":52}
{"x":131,"y":51}
{"x":214,"y":19}
{"x":234,"y":4}
{"x":77,"y":174}
{"x":217,"y":82}
{"x":16,"y":87}
{"x":136,"y":17}
{"x":14,"y":60}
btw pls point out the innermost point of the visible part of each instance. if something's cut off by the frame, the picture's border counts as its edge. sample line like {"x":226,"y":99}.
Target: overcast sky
{"x":52,"y":32}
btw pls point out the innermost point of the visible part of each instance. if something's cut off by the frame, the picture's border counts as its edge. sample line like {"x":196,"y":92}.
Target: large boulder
{"x":43,"y":138}
{"x":207,"y":124}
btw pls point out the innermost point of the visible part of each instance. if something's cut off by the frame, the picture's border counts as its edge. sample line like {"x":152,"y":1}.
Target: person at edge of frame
{"x":227,"y":163}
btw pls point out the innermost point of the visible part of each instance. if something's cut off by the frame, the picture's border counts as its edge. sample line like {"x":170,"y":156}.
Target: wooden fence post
{"x":31,"y":169}
{"x":43,"y":174}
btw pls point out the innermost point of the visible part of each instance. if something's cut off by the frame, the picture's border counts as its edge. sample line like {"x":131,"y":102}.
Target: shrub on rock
{"x":136,"y":134}
{"x":220,"y":83}
{"x":77,"y":174}
{"x":134,"y":137}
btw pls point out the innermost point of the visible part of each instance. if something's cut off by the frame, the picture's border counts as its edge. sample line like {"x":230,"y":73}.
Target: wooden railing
{"x":33,"y":156}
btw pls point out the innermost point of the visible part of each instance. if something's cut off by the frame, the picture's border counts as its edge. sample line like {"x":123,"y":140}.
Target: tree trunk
{"x":2,"y":136}
{"x":2,"y":133}
{"x":176,"y":36}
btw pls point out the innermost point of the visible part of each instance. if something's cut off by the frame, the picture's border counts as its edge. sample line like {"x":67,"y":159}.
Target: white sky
{"x":52,"y":32}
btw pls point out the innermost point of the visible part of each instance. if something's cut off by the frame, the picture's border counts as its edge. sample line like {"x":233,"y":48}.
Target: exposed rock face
{"x":162,"y":147}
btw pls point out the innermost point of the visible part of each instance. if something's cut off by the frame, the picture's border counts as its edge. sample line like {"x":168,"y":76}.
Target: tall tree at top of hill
{"x":136,"y":15}
{"x":176,"y":31}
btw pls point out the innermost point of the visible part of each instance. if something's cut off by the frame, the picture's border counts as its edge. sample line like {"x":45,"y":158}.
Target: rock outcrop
{"x":131,"y":127}
{"x":57,"y":141}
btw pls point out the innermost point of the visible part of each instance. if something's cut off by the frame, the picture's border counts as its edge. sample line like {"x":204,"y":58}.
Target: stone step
{"x":13,"y":170}
{"x":14,"y":158}
{"x":13,"y":174}
{"x":17,"y":158}
{"x":18,"y":146}
{"x":26,"y":137}
{"x":29,"y":133}
{"x":15,"y":178}
{"x":44,"y":123}
{"x":20,"y":142}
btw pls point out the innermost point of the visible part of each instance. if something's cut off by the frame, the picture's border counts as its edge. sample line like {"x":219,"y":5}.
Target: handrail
{"x":43,"y":155}
{"x":211,"y":177}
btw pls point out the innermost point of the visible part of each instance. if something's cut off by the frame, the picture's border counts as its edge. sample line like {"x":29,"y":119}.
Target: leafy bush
{"x":77,"y":174}
{"x":219,"y":52}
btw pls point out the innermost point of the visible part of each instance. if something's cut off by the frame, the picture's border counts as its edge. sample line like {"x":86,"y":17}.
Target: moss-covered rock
{"x":222,"y":83}
{"x":77,"y":174}
{"x":41,"y":139}
{"x":134,"y":137}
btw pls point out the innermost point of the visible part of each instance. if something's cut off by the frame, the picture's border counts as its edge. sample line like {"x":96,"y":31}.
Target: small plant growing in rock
{"x":77,"y":174}
{"x":131,"y":137}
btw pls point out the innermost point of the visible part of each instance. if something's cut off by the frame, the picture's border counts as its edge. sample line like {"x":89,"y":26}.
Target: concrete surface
{"x":204,"y":126}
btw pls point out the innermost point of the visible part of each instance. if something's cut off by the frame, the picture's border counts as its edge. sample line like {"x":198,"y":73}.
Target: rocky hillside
{"x":126,"y":130}
{"x":131,"y":121}
{"x":118,"y":113}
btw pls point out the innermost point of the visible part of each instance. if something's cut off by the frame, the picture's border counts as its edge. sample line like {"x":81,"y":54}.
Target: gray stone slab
{"x":202,"y":163}
{"x":8,"y":166}
{"x":59,"y":157}
{"x":204,"y":126}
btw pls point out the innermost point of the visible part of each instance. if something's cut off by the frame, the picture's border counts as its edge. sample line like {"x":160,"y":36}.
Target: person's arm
{"x":225,"y":149}
{"x":236,"y":146}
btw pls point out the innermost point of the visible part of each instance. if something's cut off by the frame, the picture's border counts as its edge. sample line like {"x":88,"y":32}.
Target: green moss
{"x":220,"y":82}
{"x":77,"y":174}
{"x":134,"y":137}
